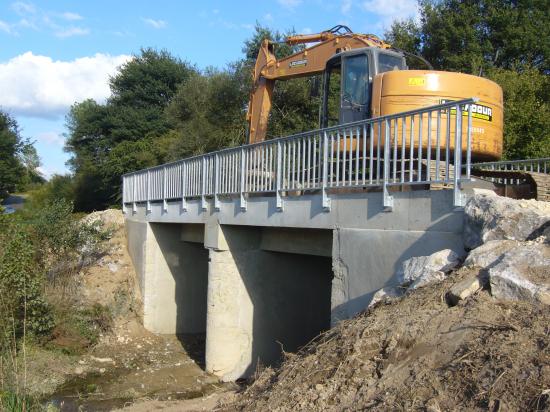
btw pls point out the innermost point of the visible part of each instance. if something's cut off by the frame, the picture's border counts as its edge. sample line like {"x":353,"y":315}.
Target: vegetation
{"x":504,"y":40}
{"x":19,"y":161}
{"x":42,"y":249}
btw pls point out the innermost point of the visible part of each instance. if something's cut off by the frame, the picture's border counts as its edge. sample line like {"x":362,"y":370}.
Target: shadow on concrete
{"x":194,"y":345}
{"x":290,"y":295}
{"x":185,"y":286}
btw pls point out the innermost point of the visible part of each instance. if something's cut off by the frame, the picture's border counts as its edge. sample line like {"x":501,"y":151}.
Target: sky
{"x":56,"y":53}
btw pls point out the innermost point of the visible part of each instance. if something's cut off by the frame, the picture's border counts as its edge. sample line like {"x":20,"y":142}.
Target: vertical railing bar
{"x":411,"y":150}
{"x":378,"y":144}
{"x":469,"y":142}
{"x":243,"y":176}
{"x":438,"y":145}
{"x":357,"y":147}
{"x":337,"y":158}
{"x":388,"y":200}
{"x":299,"y":165}
{"x":429,"y":153}
{"x":325,"y":198}
{"x":364,"y":140}
{"x":419,"y":152}
{"x":371,"y":156}
{"x":309,"y":161}
{"x":403,"y":147}
{"x":344,"y":158}
{"x":447,"y":146}
{"x":279,"y":172}
{"x":395,"y":144}
{"x":331,"y":159}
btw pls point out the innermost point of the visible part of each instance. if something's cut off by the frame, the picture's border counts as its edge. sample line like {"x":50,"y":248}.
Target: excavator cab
{"x":347,"y":83}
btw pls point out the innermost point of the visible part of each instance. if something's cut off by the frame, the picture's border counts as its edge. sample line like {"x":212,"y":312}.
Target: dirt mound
{"x":417,"y":353}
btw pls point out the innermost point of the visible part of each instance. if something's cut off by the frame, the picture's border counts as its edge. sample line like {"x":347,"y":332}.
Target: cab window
{"x":389,"y":62}
{"x":356,"y":81}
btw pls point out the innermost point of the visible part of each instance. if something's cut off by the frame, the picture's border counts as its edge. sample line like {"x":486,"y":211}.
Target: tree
{"x":505,"y":40}
{"x":141,"y":90}
{"x":18,"y":158}
{"x":473,"y":36}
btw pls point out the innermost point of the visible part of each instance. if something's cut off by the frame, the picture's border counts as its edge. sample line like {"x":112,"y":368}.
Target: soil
{"x":417,"y":353}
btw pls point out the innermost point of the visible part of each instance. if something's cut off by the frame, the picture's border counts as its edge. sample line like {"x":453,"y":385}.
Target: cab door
{"x":355,"y":90}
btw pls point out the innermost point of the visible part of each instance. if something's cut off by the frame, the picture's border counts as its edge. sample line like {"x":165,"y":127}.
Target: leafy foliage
{"x":135,"y":112}
{"x":504,"y":40}
{"x":527,"y":112}
{"x":18,"y":159}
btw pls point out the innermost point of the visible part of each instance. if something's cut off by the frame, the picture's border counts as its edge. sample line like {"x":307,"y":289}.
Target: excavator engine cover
{"x":400,"y":91}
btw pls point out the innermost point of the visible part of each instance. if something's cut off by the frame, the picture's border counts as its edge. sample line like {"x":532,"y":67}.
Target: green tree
{"x":12,"y":149}
{"x":141,"y":90}
{"x":473,"y":36}
{"x":527,"y":112}
{"x":504,"y":40}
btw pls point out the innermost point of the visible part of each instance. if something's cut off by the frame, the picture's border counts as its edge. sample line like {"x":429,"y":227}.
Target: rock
{"x":386,"y":293}
{"x":511,"y":283}
{"x":426,"y":278}
{"x":102,"y":360}
{"x":515,"y":270}
{"x":486,"y":255}
{"x":463,"y":289}
{"x":426,"y":266}
{"x":79,"y":370}
{"x":489,"y":217}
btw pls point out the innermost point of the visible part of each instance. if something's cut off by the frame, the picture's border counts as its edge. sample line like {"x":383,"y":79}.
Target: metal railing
{"x":541,"y":165}
{"x":409,"y":148}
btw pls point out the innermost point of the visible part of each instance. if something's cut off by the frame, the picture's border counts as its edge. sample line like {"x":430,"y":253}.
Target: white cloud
{"x":72,"y":31}
{"x":268,"y":17}
{"x":71,"y":16}
{"x":6,"y":27}
{"x":48,"y":172}
{"x":289,"y":4}
{"x":346,"y":6}
{"x":37,"y":86}
{"x":156,"y":24}
{"x":51,"y":138}
{"x":392,"y":10}
{"x":22,"y":8}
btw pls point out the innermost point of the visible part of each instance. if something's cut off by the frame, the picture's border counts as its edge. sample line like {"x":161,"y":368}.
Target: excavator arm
{"x":308,"y":62}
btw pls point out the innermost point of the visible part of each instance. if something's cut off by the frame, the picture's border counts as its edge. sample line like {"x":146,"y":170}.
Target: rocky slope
{"x":460,"y":333}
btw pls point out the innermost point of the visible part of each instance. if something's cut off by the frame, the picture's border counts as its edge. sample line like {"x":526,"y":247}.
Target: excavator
{"x":365,"y":77}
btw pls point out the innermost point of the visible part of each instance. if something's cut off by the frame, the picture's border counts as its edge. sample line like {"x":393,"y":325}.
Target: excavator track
{"x":540,"y":182}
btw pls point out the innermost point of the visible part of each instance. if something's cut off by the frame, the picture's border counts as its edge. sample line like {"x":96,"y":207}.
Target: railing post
{"x":216,"y":181}
{"x":184,"y":186}
{"x":134,"y":194}
{"x":243,"y":179}
{"x":457,"y":191}
{"x":469,"y":143}
{"x":326,"y":199}
{"x":124,"y":194}
{"x":279,"y":177}
{"x":388,"y":200}
{"x":148,"y":197}
{"x":164,"y":191}
{"x":204,"y":205}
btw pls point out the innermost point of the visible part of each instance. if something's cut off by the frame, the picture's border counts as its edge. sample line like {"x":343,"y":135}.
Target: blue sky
{"x":55,"y":53}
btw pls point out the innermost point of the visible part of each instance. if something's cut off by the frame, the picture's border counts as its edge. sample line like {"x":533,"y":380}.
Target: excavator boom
{"x":308,"y":62}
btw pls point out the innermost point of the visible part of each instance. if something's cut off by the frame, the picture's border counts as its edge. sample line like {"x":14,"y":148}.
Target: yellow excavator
{"x":364,"y":77}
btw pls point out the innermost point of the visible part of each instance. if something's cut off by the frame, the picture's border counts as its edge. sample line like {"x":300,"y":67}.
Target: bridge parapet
{"x":404,"y":149}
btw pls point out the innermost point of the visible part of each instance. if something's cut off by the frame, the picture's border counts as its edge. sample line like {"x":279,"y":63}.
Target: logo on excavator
{"x":298,"y":63}
{"x":479,"y":111}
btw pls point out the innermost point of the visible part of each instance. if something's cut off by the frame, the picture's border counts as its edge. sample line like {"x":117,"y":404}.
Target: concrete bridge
{"x":263,"y":246}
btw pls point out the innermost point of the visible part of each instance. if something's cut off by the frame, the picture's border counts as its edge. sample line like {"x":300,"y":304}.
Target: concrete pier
{"x":263,"y":280}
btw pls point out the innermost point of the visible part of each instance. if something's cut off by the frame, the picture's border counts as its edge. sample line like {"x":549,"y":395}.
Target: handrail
{"x":408,"y":148}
